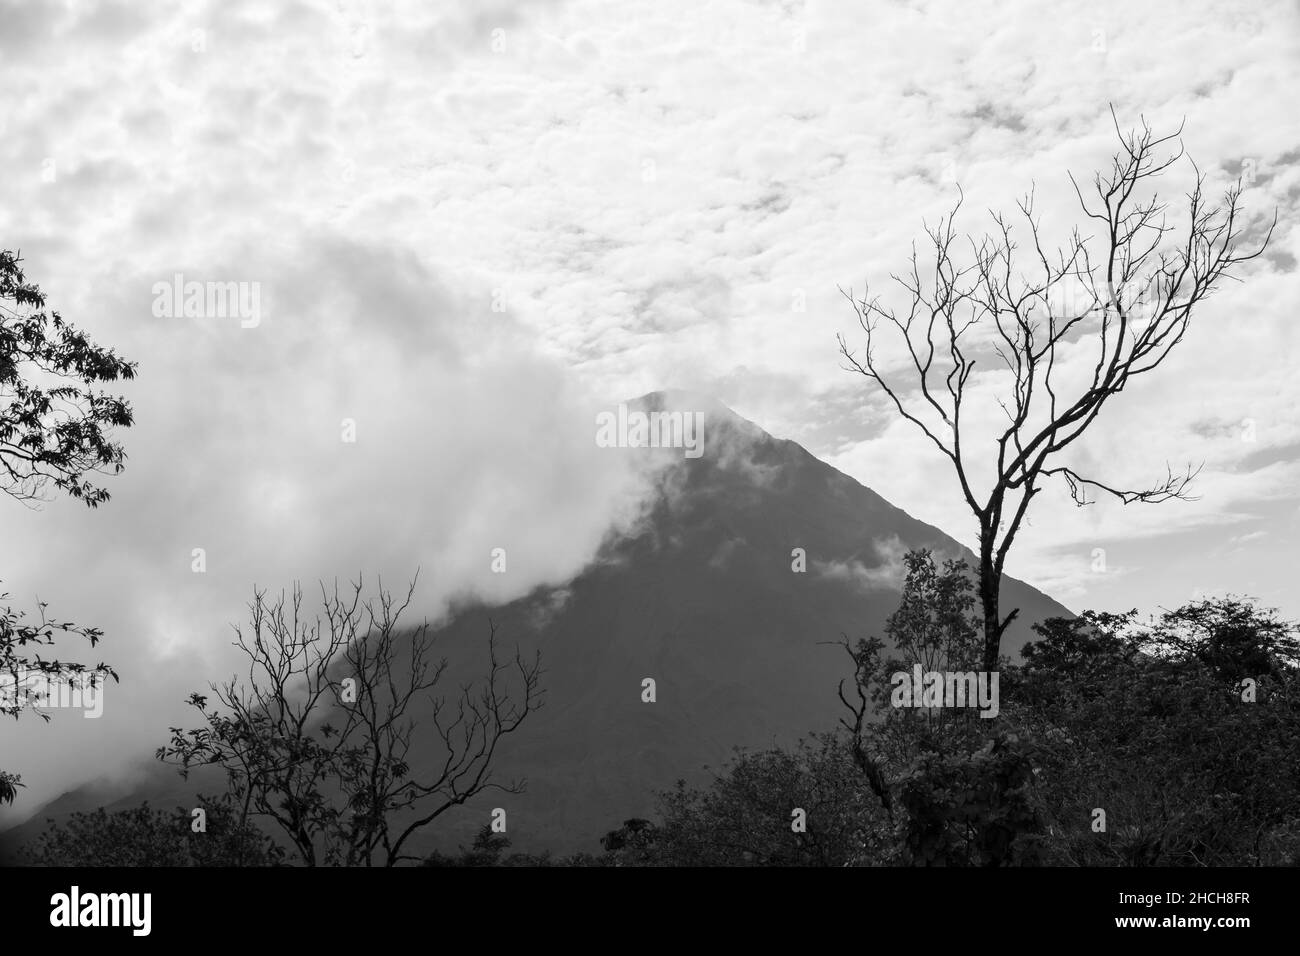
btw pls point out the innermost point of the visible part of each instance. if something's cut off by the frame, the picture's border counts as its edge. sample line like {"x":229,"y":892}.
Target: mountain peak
{"x":716,"y":415}
{"x":679,"y":399}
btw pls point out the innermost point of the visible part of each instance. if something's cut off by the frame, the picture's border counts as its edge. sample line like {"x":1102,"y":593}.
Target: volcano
{"x":749,"y":562}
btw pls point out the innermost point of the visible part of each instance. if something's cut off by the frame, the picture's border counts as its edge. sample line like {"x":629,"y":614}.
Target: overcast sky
{"x":475,"y":222}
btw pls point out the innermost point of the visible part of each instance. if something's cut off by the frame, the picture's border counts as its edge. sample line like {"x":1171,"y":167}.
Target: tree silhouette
{"x":322,"y":736}
{"x":54,"y":429}
{"x":1037,"y":312}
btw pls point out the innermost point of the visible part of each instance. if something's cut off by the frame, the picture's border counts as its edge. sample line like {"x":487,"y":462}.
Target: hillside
{"x":702,"y":598}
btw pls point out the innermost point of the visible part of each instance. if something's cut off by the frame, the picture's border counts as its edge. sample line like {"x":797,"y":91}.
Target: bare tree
{"x":1122,"y":300}
{"x":322,"y":737}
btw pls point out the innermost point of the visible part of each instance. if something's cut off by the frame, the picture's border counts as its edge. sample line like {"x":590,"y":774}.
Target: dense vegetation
{"x":1173,"y":741}
{"x":1169,"y":742}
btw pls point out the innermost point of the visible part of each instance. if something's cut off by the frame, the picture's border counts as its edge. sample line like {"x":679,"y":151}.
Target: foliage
{"x":25,"y":676}
{"x":636,"y":842}
{"x":55,"y":426}
{"x":18,"y":691}
{"x":143,"y":836}
{"x":1151,"y":723}
{"x":744,"y":817}
{"x":946,"y":778}
{"x":1148,"y":722}
{"x":970,"y":808}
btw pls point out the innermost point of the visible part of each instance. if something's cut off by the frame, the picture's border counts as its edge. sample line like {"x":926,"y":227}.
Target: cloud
{"x":466,"y":440}
{"x":888,"y":575}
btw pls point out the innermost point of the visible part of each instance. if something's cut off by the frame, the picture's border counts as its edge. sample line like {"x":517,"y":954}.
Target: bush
{"x":1159,"y":726}
{"x":745,"y":816}
{"x":143,"y":836}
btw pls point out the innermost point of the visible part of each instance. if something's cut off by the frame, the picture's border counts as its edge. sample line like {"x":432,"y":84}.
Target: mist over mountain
{"x":701,"y":596}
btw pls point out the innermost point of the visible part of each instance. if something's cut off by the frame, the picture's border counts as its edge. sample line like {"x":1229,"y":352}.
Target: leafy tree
{"x":744,"y":816}
{"x":1151,"y":723}
{"x":25,"y":677}
{"x":143,"y":836}
{"x":55,"y":429}
{"x":1231,"y":637}
{"x":954,"y":785}
{"x":55,"y":426}
{"x":933,"y":626}
{"x":634,"y":843}
{"x":967,"y":807}
{"x":321,"y":738}
{"x":1184,"y":729}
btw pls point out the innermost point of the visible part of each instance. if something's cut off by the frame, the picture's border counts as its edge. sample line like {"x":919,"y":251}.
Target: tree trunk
{"x":990,"y":585}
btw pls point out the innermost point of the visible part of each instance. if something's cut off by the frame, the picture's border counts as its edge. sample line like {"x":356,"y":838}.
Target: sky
{"x":471,"y":224}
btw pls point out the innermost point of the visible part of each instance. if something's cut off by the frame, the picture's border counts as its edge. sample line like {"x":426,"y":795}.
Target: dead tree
{"x":340,"y":735}
{"x":1126,"y":294}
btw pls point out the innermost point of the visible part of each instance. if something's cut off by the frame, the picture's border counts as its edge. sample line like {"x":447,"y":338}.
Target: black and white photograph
{"x":653,"y":437}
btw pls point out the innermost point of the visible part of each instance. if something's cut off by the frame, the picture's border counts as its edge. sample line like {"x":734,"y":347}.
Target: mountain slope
{"x":702,"y":598}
